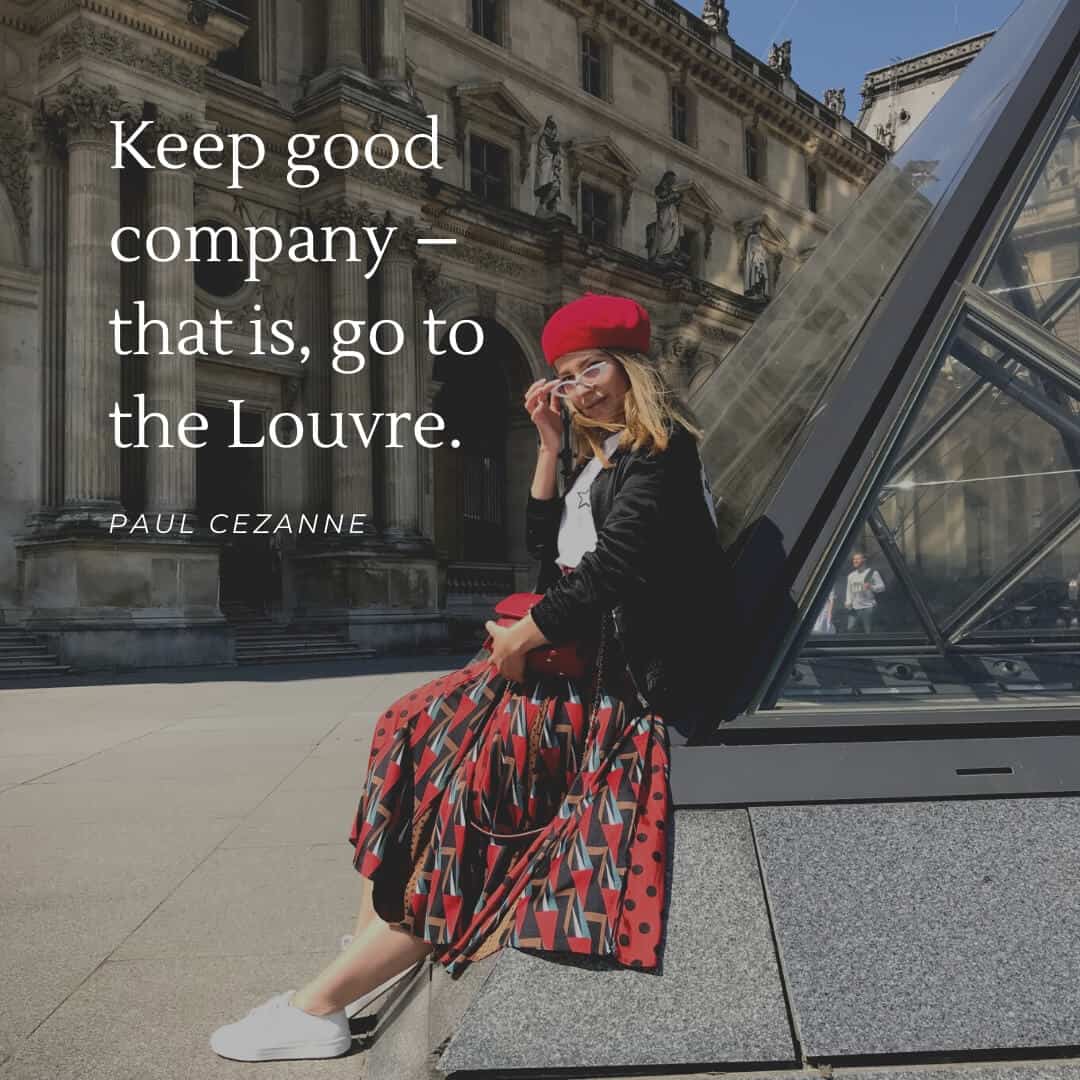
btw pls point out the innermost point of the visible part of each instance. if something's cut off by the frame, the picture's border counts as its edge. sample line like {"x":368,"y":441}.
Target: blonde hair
{"x":651,"y":410}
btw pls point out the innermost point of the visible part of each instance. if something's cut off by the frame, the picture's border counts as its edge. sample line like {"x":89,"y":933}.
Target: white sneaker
{"x":354,"y":1008}
{"x":279,"y":1031}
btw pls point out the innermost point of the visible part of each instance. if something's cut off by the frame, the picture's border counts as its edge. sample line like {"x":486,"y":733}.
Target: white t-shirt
{"x":577,"y":532}
{"x":861,"y":586}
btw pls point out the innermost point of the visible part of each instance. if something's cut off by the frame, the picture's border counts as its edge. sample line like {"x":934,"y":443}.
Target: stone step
{"x":22,"y":669}
{"x":296,"y":639}
{"x":294,"y":642}
{"x":285,"y":635}
{"x":25,"y":654}
{"x":293,"y":656}
{"x":320,"y":650}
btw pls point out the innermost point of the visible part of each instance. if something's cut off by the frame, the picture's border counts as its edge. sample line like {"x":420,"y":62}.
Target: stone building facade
{"x":607,"y":145}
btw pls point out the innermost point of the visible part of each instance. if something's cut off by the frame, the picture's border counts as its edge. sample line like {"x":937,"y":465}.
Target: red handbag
{"x":571,"y":660}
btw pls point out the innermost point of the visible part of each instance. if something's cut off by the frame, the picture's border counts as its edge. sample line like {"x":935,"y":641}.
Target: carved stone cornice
{"x":81,"y":37}
{"x":484,"y":258}
{"x":15,"y":166}
{"x":183,"y":27}
{"x":17,"y":21}
{"x":81,"y":110}
{"x":401,"y":179}
{"x":929,"y":67}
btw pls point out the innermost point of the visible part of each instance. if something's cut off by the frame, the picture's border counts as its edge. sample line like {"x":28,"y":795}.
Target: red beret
{"x":596,"y":322}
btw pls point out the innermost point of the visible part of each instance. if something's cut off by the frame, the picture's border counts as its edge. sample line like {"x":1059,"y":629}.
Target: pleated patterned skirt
{"x":500,"y":814}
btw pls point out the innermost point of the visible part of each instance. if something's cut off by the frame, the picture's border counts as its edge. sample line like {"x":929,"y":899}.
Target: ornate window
{"x":700,"y":213}
{"x":495,"y":133}
{"x":600,"y":166}
{"x":597,"y":213}
{"x":489,"y":171}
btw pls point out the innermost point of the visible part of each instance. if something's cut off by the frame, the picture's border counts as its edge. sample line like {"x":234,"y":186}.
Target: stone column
{"x":344,"y":21}
{"x":352,"y":486}
{"x":401,"y":502}
{"x":170,"y":295}
{"x":390,"y":36}
{"x":54,"y":308}
{"x":82,"y":115}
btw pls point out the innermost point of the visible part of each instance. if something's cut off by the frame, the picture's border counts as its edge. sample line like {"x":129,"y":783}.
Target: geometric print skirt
{"x":500,"y":814}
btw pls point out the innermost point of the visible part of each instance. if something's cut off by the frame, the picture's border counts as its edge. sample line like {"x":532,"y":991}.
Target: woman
{"x":532,"y":811}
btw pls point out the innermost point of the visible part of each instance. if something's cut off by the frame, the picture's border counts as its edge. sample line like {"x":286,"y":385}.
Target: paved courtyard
{"x":173,"y":852}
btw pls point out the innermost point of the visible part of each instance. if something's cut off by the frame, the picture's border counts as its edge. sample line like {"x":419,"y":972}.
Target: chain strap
{"x":601,"y":653}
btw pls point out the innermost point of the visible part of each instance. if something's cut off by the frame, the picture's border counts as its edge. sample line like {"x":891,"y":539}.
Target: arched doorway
{"x":479,"y":488}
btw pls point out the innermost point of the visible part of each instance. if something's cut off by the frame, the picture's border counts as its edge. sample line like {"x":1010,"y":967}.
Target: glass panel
{"x":756,"y":406}
{"x":949,"y":388}
{"x":865,"y":604}
{"x":969,"y":496}
{"x":1044,"y":603}
{"x":864,"y":597}
{"x":1037,"y":268}
{"x":988,"y":471}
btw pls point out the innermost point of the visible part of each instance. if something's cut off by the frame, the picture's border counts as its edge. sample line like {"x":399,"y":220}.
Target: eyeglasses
{"x":589,"y":377}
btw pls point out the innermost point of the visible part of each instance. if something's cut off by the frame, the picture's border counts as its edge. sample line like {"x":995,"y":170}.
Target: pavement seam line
{"x":793,"y":1020}
{"x":89,"y":757}
{"x":179,"y":884}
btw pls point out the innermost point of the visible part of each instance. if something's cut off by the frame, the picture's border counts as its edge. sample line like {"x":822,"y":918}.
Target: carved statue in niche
{"x":549,"y":163}
{"x":664,"y":236}
{"x":756,"y":277}
{"x":836,"y":101}
{"x":780,"y":58}
{"x":886,"y":134}
{"x":715,"y":15}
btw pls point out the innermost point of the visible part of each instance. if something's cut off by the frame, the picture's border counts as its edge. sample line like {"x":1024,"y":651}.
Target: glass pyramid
{"x":895,"y":446}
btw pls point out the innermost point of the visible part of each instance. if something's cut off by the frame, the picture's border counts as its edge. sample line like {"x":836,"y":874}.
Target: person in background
{"x":823,"y":624}
{"x":863,"y":583}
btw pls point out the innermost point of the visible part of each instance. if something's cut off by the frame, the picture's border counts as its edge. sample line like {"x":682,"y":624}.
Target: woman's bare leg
{"x":367,"y":908}
{"x":377,"y":953}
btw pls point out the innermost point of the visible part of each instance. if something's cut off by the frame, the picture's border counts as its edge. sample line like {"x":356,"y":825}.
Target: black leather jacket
{"x":658,"y":567}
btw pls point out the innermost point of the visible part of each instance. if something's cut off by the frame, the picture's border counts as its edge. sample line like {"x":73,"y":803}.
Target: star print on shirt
{"x":583,"y":500}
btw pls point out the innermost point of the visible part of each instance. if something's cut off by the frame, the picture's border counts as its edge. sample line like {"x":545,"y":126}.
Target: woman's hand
{"x":506,"y":654}
{"x":511,"y":644}
{"x":543,"y":410}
